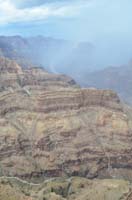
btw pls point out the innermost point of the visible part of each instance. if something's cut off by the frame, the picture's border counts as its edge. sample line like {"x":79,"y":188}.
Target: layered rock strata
{"x":50,"y":127}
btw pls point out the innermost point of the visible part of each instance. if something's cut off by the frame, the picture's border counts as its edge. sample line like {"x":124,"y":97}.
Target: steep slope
{"x":118,"y":79}
{"x":50,"y":127}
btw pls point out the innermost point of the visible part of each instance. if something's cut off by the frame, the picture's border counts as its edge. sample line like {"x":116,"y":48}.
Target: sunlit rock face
{"x":51,"y":127}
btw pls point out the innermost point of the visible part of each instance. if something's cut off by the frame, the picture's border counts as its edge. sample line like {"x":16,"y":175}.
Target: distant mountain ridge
{"x":118,"y":79}
{"x":58,"y":56}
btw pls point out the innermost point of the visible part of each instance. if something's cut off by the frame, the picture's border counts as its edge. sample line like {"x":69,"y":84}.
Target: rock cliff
{"x":50,"y":127}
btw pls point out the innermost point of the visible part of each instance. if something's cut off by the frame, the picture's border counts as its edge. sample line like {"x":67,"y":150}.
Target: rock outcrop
{"x":51,"y":127}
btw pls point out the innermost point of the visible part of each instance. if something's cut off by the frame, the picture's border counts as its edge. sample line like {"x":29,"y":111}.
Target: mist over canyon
{"x":61,"y":138}
{"x":65,"y":100}
{"x":83,"y":61}
{"x":63,"y":56}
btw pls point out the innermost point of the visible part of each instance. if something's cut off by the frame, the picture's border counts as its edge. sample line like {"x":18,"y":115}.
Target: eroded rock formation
{"x":51,"y":127}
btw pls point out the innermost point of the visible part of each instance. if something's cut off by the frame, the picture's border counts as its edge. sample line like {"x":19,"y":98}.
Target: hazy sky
{"x":72,"y":19}
{"x":106,"y":23}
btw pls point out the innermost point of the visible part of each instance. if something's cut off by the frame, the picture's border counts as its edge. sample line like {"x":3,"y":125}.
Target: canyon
{"x":53,"y":131}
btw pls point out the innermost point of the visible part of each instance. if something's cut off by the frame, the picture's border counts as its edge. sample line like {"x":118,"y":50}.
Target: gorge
{"x":52,"y":130}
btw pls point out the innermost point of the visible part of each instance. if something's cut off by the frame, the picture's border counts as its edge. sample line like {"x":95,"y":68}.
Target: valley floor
{"x":74,"y":188}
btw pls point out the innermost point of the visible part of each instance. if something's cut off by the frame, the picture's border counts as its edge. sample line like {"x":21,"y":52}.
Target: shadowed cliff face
{"x":50,"y":127}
